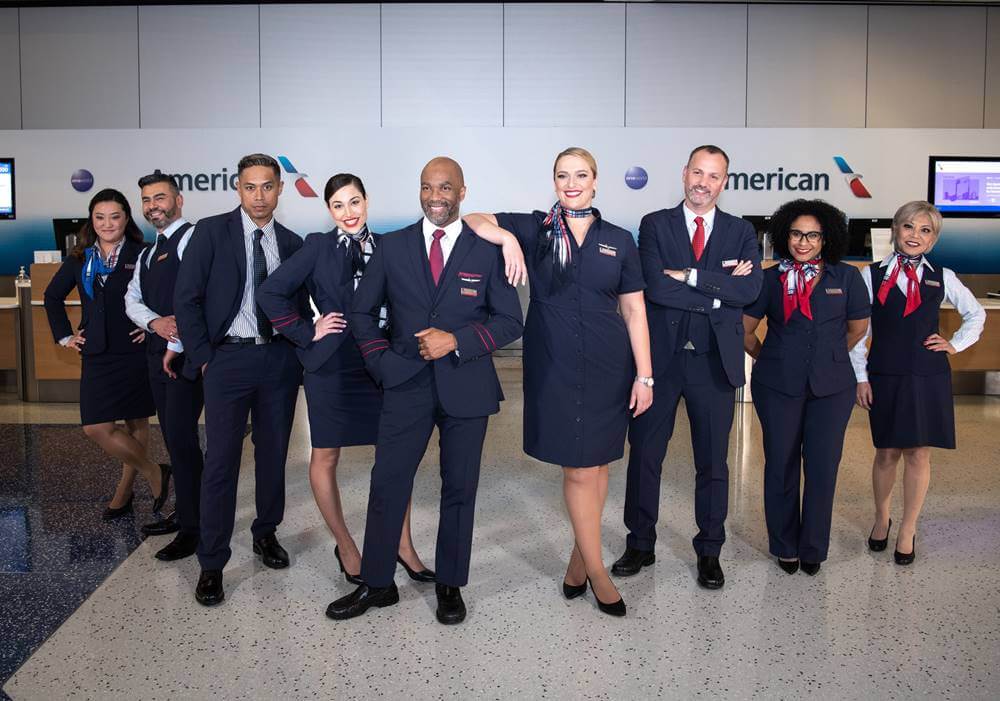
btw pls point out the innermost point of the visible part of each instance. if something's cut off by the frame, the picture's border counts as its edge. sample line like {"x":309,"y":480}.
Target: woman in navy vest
{"x":114,"y":384}
{"x":587,"y":368}
{"x":906,"y":385}
{"x":343,"y":400}
{"x":803,"y":384}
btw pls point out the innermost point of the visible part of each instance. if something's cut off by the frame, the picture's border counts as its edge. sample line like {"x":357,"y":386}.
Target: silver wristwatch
{"x":648,"y":381}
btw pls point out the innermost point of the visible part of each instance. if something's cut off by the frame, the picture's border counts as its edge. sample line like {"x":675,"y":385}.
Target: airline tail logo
{"x":301,"y":184}
{"x":853,"y":179}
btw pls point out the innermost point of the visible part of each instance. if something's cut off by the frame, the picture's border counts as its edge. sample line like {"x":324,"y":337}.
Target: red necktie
{"x":698,"y":241}
{"x":912,"y":286}
{"x":436,"y":256}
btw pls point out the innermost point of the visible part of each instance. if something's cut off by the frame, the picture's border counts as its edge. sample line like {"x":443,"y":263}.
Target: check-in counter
{"x":10,"y":335}
{"x":52,"y":371}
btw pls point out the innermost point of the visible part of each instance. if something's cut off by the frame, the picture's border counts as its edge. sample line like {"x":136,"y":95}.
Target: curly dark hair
{"x":832,"y":222}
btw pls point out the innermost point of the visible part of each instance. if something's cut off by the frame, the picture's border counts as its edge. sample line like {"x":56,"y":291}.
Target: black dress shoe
{"x":423,"y":575}
{"x":209,"y":591}
{"x":271,"y":553}
{"x":163,"y":526}
{"x":451,"y":608}
{"x":905,"y":558}
{"x":789,"y":566}
{"x":709,"y":572}
{"x":111,"y":514}
{"x":352,"y":578}
{"x":164,"y":487}
{"x":184,"y":545}
{"x":879,"y":545}
{"x":810,"y":568}
{"x":572,"y":591}
{"x":362,"y":599}
{"x":632,"y":561}
{"x":616,"y":608}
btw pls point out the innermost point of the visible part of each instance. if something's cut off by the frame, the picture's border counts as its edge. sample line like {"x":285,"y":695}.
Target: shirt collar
{"x":450,"y":232}
{"x":889,"y":262}
{"x":708,"y":217}
{"x":249,"y":227}
{"x":177,"y":224}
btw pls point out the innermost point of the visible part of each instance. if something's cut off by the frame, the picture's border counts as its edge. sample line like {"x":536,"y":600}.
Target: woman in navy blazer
{"x":343,"y":400}
{"x":114,"y":384}
{"x":803,"y":384}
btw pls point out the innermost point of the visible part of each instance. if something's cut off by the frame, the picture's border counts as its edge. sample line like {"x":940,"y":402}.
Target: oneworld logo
{"x":81,"y":180}
{"x":636,"y":177}
{"x":853,"y":179}
{"x":301,"y":184}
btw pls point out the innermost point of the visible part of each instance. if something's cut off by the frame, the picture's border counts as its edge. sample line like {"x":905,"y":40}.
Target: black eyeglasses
{"x":810,"y":236}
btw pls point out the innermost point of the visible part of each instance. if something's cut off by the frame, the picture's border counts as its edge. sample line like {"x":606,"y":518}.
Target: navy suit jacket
{"x":323,"y":269}
{"x":210,"y":283}
{"x":473,"y":301}
{"x":664,"y":243}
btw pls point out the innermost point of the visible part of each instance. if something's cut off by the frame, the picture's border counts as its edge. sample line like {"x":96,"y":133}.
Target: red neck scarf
{"x":795,"y":281}
{"x":909,"y":267}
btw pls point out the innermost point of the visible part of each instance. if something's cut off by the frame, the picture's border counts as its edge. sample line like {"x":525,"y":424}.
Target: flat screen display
{"x":965,"y":186}
{"x":7,"y":188}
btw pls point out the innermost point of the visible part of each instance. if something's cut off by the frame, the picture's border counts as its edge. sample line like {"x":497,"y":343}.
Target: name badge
{"x":130,"y":266}
{"x":473,"y":278}
{"x":834,"y":291}
{"x":932,"y":283}
{"x":161,"y":257}
{"x":469,"y":292}
{"x":729,"y":263}
{"x":607,"y":250}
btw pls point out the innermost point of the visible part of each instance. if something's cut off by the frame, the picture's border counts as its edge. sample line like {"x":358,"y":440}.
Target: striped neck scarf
{"x":359,"y":246}
{"x":909,"y":265}
{"x":559,"y":233}
{"x":94,"y":266}
{"x":795,"y":280}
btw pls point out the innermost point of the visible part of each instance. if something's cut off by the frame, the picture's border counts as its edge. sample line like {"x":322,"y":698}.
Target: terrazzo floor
{"x":862,"y":628}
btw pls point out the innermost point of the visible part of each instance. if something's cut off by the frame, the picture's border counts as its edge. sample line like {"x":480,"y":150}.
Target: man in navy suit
{"x":702,"y":266}
{"x":450,"y":308}
{"x":249,"y":370}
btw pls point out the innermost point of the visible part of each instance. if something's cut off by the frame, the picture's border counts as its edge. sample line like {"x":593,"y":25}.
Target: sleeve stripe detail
{"x":377,"y":340}
{"x":293,"y":315}
{"x":487,"y":332}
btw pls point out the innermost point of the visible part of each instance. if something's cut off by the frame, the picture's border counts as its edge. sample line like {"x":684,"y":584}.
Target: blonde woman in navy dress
{"x":343,"y":400}
{"x":906,"y":382}
{"x":587,"y":367}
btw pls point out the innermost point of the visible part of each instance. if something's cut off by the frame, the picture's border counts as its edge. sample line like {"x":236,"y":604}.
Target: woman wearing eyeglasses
{"x":803,"y":383}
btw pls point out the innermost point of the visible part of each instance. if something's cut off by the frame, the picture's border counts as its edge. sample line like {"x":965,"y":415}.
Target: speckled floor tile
{"x":862,"y":628}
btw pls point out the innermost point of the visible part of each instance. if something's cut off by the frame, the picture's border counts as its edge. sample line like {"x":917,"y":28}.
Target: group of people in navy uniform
{"x":217,"y":317}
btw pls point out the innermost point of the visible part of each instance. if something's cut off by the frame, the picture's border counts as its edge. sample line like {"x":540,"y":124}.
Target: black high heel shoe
{"x":811,"y":568}
{"x":110,"y":514}
{"x":164,"y":487}
{"x":616,"y":608}
{"x":572,"y":591}
{"x":352,"y":578}
{"x":421,"y":576}
{"x":789,"y":566}
{"x":877,"y":546}
{"x":905,"y":558}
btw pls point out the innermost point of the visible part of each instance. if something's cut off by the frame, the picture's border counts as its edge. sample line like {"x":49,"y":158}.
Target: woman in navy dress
{"x":114,"y":383}
{"x":803,"y":384}
{"x":343,"y":400}
{"x":586,"y":366}
{"x":906,"y":382}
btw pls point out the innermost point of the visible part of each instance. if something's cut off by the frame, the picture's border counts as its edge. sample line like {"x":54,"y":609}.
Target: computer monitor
{"x":63,"y":228}
{"x":860,"y":233}
{"x":964,"y":186}
{"x":8,"y":209}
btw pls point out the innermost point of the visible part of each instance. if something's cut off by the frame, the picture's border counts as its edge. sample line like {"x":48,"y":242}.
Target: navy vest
{"x":158,"y":281}
{"x":696,"y":327}
{"x":897,"y":341}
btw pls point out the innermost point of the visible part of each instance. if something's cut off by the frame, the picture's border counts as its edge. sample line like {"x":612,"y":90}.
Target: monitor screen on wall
{"x":7,"y":188}
{"x":965,"y":186}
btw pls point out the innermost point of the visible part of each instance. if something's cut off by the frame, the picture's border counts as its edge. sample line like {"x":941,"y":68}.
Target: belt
{"x":251,"y":341}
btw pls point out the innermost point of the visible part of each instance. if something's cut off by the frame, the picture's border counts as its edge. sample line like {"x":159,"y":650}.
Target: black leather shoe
{"x":362,"y":599}
{"x":164,"y":487}
{"x":810,"y":568}
{"x":424,"y":575}
{"x":905,"y":558}
{"x":162,"y":527}
{"x":616,"y":608}
{"x":879,"y":545}
{"x":709,"y":572}
{"x":271,"y":553}
{"x":632,"y":561}
{"x":572,"y":591}
{"x":209,"y":591}
{"x":124,"y":510}
{"x":789,"y":566}
{"x":352,"y":578}
{"x":451,"y":608}
{"x":184,"y":545}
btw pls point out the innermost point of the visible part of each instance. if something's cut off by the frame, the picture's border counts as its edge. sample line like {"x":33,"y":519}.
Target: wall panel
{"x":10,"y":70}
{"x":993,"y":70}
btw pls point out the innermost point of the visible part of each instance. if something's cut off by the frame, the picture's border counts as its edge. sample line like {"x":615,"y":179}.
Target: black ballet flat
{"x":421,"y":576}
{"x":110,"y":514}
{"x":572,"y":591}
{"x":352,"y":578}
{"x":905,"y":558}
{"x":810,"y":568}
{"x":877,"y":546}
{"x":616,"y":608}
{"x":164,"y":487}
{"x":789,"y":566}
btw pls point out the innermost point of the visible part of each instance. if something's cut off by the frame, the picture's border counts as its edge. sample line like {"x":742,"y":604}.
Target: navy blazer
{"x":210,"y":284}
{"x":664,"y":243}
{"x":473,"y":301}
{"x":810,"y":353}
{"x":324,"y":270}
{"x":103,"y":321}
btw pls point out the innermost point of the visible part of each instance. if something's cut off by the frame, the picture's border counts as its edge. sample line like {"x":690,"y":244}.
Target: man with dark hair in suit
{"x":451,"y":307}
{"x":149,"y":302}
{"x":702,"y":266}
{"x":249,"y":369}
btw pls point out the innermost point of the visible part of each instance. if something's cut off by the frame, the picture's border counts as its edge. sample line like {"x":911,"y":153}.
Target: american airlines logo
{"x":301,"y":184}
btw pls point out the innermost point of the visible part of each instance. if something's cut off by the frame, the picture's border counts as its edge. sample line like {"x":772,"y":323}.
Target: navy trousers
{"x":802,"y":435}
{"x":409,"y":414}
{"x":178,"y":406}
{"x":260,"y":383}
{"x":709,"y":399}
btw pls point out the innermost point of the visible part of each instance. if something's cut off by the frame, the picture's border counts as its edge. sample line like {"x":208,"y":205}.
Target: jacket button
{"x":434,"y":315}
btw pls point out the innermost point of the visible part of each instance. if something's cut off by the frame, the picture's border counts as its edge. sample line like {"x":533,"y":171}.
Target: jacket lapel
{"x":720,"y":228}
{"x":238,"y":246}
{"x":418,"y":254}
{"x":679,"y":235}
{"x":459,"y":251}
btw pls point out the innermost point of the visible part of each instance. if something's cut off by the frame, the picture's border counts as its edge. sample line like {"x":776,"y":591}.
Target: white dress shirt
{"x":451,"y":233}
{"x":708,"y":221}
{"x":135,"y":306}
{"x":245,"y":323}
{"x":972,"y":312}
